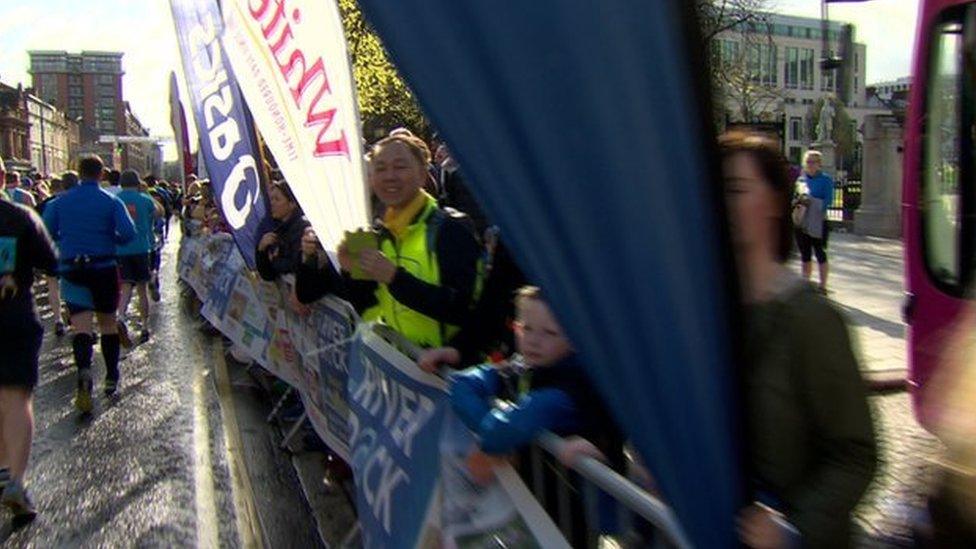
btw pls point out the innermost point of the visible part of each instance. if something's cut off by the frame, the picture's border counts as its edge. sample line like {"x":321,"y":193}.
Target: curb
{"x":893,"y":381}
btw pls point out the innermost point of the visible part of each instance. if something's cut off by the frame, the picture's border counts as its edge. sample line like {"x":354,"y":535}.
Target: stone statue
{"x":825,"y":127}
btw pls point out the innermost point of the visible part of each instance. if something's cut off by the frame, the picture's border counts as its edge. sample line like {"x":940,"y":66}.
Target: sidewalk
{"x":866,"y":280}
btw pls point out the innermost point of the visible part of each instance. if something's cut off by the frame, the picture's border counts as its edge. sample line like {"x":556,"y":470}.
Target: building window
{"x":792,"y":77}
{"x":75,"y":102}
{"x":762,"y":64}
{"x":806,"y":68}
{"x":796,"y":128}
{"x":106,"y":79}
{"x":807,"y":101}
{"x":729,"y":52}
{"x":828,"y":78}
{"x":75,"y":91}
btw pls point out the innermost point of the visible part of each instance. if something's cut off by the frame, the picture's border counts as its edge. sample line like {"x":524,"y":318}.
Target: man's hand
{"x":431,"y":359}
{"x":376,"y":266}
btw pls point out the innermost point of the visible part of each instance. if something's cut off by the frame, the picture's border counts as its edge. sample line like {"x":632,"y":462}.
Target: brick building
{"x":86,"y":86}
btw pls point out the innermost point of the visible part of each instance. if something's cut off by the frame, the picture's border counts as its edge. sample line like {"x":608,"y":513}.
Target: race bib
{"x":8,"y":254}
{"x":133,"y":211}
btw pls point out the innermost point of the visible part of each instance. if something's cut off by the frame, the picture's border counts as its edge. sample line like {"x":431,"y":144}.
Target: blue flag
{"x":226,"y":137}
{"x":583,"y":130}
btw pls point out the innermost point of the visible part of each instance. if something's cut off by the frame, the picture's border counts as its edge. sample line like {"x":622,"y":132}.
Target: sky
{"x":144,"y":31}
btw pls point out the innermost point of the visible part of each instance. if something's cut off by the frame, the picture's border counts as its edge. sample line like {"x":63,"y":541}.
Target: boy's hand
{"x":575,"y":448}
{"x":480,"y":467}
{"x":757,"y":528}
{"x":431,"y":359}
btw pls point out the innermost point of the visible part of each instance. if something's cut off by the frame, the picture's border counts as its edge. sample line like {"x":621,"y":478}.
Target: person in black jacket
{"x":279,"y":251}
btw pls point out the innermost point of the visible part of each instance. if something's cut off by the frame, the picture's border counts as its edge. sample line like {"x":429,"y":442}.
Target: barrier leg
{"x":279,"y":405}
{"x":352,"y":538}
{"x":286,"y":443}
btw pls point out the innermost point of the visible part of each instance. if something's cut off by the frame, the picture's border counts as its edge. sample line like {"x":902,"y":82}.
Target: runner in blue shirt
{"x":134,"y":263}
{"x":88,"y":223}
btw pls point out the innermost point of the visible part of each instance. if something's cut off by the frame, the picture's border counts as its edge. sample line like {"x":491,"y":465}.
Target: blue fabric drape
{"x":578,"y":127}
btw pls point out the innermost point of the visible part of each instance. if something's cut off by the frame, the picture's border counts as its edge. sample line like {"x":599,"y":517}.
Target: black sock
{"x":82,"y":345}
{"x":110,"y":350}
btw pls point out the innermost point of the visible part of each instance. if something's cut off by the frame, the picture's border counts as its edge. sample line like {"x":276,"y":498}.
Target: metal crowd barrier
{"x":597,"y":475}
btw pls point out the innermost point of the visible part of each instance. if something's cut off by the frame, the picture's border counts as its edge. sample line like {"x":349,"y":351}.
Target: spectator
{"x":809,"y":430}
{"x":425,"y":276}
{"x":814,"y":234}
{"x":557,"y":397}
{"x":279,"y":251}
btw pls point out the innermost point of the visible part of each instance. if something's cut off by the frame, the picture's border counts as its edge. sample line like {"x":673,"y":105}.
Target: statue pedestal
{"x":829,"y":151}
{"x":880,"y":211}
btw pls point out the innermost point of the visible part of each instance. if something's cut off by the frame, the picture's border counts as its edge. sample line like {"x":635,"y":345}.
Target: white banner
{"x":291,"y":62}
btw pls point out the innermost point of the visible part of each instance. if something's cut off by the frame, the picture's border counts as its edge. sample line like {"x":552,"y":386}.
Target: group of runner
{"x":96,"y":234}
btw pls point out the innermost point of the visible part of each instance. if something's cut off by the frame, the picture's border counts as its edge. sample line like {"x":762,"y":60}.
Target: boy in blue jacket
{"x":549,"y":392}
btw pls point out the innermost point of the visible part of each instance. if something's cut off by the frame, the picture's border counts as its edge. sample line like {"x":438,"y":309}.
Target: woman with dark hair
{"x":280,"y":250}
{"x":810,"y":435}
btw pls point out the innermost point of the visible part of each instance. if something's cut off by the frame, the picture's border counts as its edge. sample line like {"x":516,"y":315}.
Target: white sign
{"x":292,"y":65}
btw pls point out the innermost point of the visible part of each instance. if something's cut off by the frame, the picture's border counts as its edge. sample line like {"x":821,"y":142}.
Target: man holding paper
{"x":420,"y":272}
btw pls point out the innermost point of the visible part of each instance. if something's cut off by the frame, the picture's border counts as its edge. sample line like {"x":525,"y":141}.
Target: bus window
{"x":943,"y":158}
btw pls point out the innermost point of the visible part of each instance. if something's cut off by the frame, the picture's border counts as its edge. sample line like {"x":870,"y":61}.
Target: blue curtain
{"x":579,"y":128}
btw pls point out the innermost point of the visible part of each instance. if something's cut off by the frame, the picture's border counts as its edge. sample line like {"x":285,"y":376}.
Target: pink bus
{"x":939,"y":191}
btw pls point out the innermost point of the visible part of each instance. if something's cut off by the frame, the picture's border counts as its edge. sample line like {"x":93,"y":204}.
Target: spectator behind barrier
{"x":279,"y":250}
{"x":550,"y":393}
{"x":425,"y":276}
{"x":809,"y":430}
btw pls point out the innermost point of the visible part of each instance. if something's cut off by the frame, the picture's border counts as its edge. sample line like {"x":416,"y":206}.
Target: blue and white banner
{"x":226,"y":138}
{"x":397,"y":417}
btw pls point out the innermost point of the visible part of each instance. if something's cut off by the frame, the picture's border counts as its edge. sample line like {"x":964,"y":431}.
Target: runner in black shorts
{"x":24,"y":246}
{"x":87,"y":223}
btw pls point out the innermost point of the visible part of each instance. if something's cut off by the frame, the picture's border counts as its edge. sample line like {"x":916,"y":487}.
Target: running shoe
{"x":83,"y":396}
{"x":16,"y":499}
{"x":59,"y":329}
{"x":154,"y":290}
{"x":124,"y":338}
{"x":144,"y":337}
{"x":111,"y":385}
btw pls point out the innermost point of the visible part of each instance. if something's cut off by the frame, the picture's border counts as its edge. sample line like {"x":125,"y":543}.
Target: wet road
{"x":180,"y":457}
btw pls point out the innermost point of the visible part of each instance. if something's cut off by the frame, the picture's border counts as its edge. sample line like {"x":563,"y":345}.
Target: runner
{"x":88,"y":223}
{"x":67,"y":181}
{"x":134,"y":260}
{"x":24,"y":246}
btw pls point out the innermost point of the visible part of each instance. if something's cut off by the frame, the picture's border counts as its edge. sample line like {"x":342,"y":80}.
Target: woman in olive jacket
{"x":811,"y":442}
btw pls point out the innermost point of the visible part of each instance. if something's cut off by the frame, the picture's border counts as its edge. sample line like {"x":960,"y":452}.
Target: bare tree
{"x":736,"y":78}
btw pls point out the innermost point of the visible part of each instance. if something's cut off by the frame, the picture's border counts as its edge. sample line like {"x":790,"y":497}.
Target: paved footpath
{"x":866,"y":281}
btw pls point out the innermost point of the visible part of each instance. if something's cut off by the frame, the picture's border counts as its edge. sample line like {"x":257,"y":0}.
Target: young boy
{"x":550,"y":392}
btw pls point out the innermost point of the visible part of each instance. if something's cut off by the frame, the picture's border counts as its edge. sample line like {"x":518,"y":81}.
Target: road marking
{"x":248,"y":520}
{"x":206,"y":506}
